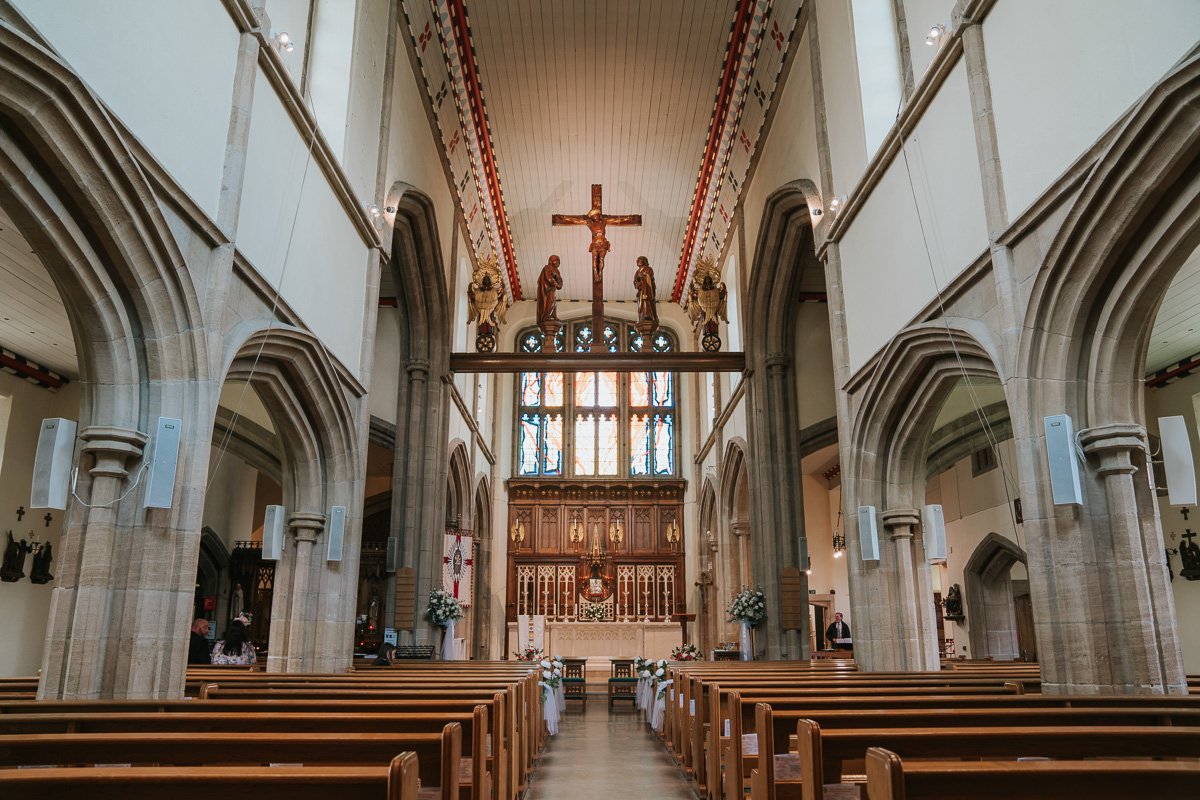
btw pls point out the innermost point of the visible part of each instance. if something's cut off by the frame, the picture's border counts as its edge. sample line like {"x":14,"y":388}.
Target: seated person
{"x":236,"y":647}
{"x":198,"y":643}
{"x":387,"y":652}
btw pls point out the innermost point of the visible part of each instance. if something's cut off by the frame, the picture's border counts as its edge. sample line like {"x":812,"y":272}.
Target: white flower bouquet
{"x":687,"y":652}
{"x":552,"y":672}
{"x":594,"y":612}
{"x":748,"y":606}
{"x":443,"y":608}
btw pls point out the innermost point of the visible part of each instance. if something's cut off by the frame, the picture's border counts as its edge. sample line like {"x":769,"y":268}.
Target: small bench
{"x":575,"y":679}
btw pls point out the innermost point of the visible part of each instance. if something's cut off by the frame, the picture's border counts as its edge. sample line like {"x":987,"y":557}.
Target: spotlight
{"x":935,"y":35}
{"x":285,"y":42}
{"x":374,"y":211}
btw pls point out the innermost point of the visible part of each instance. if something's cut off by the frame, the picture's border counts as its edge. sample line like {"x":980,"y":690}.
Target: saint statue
{"x":643,"y":283}
{"x":486,"y":302}
{"x":40,"y":572}
{"x":548,"y":285}
{"x":13,"y":568}
{"x":953,"y":604}
{"x":237,"y":602}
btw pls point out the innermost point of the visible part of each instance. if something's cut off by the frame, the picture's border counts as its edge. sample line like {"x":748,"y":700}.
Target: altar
{"x":600,"y":640}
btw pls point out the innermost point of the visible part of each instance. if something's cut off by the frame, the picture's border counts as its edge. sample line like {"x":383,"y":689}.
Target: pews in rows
{"x":725,"y":719}
{"x":473,"y":730}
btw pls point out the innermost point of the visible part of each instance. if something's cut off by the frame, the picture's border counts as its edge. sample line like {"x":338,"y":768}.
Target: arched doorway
{"x":1000,"y":624}
{"x":482,"y":610}
{"x":735,"y":552}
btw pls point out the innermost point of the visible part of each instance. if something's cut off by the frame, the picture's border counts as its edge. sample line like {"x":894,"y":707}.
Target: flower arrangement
{"x":594,"y":612}
{"x":530,"y":653}
{"x":443,"y":608}
{"x":552,"y":672}
{"x":687,"y":652}
{"x":748,"y":606}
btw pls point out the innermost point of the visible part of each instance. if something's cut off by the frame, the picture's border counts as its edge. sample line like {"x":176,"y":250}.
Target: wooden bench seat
{"x":438,"y":753}
{"x":891,"y":778}
{"x":398,"y":781}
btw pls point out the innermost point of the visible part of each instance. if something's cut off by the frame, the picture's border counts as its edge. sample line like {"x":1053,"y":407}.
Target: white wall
{"x":229,"y":500}
{"x":24,"y":606}
{"x":1180,"y":398}
{"x":165,"y":69}
{"x":1063,"y":72}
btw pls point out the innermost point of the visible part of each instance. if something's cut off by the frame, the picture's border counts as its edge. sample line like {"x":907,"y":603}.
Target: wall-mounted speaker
{"x":274,"y":528}
{"x":1177,"y":461}
{"x":933,"y":532}
{"x":160,"y":486}
{"x":1063,"y":461}
{"x":337,"y":532}
{"x":868,"y":533}
{"x":52,"y":464}
{"x":391,"y":561}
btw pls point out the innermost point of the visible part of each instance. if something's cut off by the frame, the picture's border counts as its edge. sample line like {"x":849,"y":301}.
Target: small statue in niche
{"x":1189,"y":554}
{"x":486,"y":303}
{"x":643,"y":284}
{"x":237,"y":601}
{"x":42,"y":559}
{"x":13,"y":568}
{"x":952,"y":603}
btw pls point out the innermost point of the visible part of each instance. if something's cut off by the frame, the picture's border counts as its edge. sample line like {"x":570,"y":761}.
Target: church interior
{"x":536,"y":398}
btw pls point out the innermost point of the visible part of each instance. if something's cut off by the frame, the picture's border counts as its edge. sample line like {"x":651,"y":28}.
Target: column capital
{"x":112,"y":448}
{"x":418,"y":369}
{"x":1114,"y":445}
{"x":305,"y":526}
{"x":740,"y":528}
{"x":900,"y":521}
{"x":777,"y":362}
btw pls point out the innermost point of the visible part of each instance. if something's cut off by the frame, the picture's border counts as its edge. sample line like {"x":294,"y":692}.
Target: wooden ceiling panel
{"x":619,"y":93}
{"x":33,"y":319}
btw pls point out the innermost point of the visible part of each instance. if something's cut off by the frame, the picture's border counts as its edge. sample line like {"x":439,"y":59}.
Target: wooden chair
{"x":575,"y":679}
{"x":623,"y":683}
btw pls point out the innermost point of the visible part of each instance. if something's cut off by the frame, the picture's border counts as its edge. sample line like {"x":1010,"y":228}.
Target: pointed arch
{"x":988,"y":598}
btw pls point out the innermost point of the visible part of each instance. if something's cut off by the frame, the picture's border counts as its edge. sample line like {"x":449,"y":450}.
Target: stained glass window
{"x":590,"y":423}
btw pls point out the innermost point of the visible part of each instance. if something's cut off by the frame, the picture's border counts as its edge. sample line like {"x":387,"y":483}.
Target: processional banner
{"x":458,"y":566}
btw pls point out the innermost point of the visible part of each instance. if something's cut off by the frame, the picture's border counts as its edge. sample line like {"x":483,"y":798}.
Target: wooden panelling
{"x":791,"y":600}
{"x":406,"y":595}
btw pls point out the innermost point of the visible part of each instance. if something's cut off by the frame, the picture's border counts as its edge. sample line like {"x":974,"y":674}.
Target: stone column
{"x":407,"y":505}
{"x":911,"y":634}
{"x":293,"y":617}
{"x":1139,"y":618}
{"x":77,"y":663}
{"x":742,"y":555}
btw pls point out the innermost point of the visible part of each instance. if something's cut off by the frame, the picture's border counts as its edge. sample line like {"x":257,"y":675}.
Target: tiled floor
{"x":611,"y":756}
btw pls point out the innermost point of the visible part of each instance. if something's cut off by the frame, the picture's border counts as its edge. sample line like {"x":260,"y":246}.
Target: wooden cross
{"x":20,"y":513}
{"x":49,"y":518}
{"x":597,"y":222}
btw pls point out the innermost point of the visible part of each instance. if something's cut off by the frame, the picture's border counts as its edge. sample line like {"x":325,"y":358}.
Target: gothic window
{"x":619,"y":424}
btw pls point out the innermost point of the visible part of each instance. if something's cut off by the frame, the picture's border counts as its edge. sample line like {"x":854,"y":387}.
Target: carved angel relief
{"x":707,"y":302}
{"x":486,"y":302}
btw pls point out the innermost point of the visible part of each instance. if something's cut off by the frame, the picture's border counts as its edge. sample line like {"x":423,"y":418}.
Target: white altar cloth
{"x":606,"y":639}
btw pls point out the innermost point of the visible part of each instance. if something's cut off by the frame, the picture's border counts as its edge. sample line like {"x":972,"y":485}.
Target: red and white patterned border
{"x":759,"y":40}
{"x":441,"y":36}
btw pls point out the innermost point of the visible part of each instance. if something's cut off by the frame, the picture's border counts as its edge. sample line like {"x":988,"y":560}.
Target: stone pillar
{"x":408,"y":482}
{"x":293,"y":606}
{"x":742,"y":555}
{"x":916,"y":642}
{"x":1139,"y":618}
{"x":78,"y":663}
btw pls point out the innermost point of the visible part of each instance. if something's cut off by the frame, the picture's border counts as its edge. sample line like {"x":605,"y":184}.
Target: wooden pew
{"x":890,"y":778}
{"x":821,"y":753}
{"x":438,"y":753}
{"x":398,"y":781}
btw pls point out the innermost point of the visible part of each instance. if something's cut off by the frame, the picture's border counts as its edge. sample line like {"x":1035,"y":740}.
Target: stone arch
{"x":784,"y":248}
{"x":988,"y":598}
{"x":321,"y":467}
{"x":892,"y":599}
{"x":422,"y":396}
{"x":460,"y":509}
{"x":482,"y":611}
{"x":70,"y":184}
{"x":735,"y":566}
{"x":1082,"y":352}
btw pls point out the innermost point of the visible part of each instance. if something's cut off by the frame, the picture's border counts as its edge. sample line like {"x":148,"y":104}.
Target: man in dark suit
{"x":838,"y":630}
{"x":198,"y":646}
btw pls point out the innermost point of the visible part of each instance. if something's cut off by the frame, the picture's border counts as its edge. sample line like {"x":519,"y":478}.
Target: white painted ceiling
{"x":615,"y":92}
{"x":1176,"y":332}
{"x":33,"y":319}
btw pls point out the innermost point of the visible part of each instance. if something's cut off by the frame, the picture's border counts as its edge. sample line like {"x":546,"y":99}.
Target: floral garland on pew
{"x":656,"y":671}
{"x":552,"y":673}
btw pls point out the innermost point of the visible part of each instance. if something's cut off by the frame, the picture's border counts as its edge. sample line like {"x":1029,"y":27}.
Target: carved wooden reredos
{"x":649,"y":565}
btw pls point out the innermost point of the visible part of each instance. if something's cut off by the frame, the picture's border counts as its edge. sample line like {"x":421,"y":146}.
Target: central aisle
{"x":598,"y":754}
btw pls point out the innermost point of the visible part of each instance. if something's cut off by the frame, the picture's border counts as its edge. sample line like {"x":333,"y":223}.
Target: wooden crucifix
{"x":597,"y":222}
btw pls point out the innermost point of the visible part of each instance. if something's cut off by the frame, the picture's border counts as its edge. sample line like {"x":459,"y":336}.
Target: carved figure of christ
{"x":597,"y":222}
